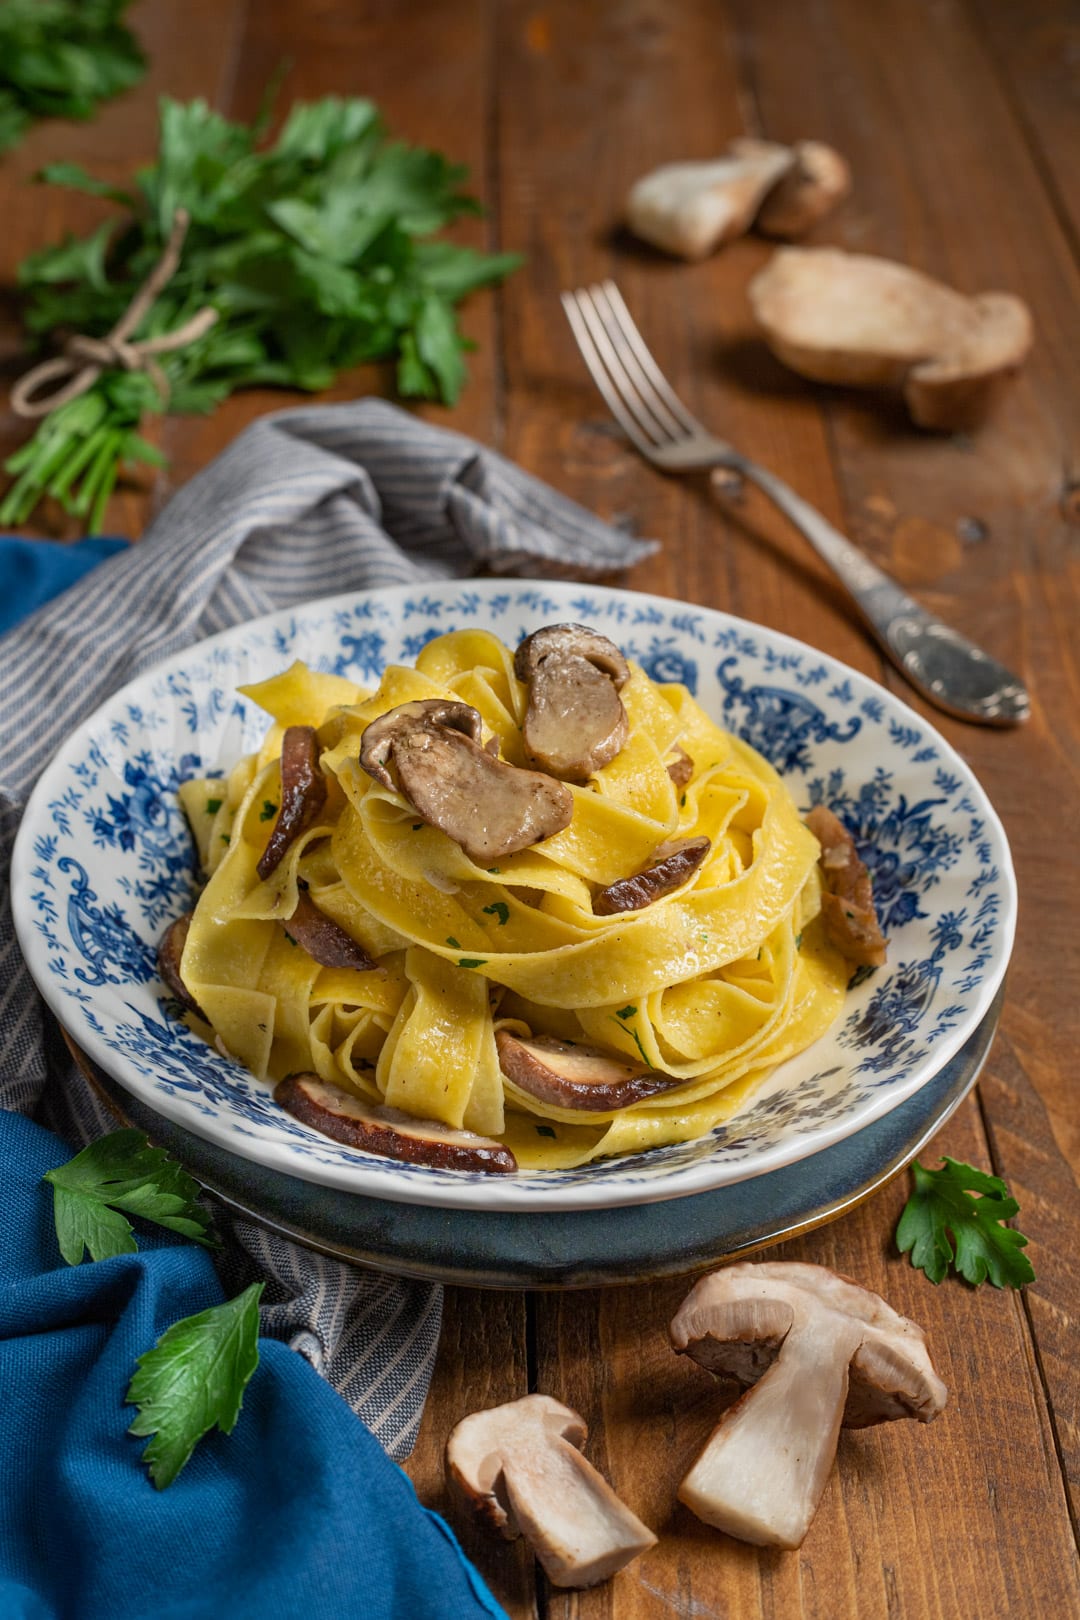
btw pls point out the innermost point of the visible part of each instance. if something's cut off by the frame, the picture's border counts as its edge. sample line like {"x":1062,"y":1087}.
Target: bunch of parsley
{"x":59,"y":58}
{"x":317,"y":253}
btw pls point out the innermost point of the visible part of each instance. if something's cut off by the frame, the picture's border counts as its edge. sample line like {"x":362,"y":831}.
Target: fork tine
{"x":634,"y":398}
{"x":645,"y":360}
{"x":577,"y":305}
{"x":615,"y":325}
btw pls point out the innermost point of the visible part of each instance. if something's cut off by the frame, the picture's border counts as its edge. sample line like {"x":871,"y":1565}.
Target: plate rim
{"x":606,"y":1193}
{"x":411,"y":1265}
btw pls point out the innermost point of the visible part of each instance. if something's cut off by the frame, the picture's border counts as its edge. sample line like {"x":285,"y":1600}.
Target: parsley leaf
{"x":472,"y":961}
{"x":122,"y":1172}
{"x":213,"y":806}
{"x":943,"y":1207}
{"x":58,"y":59}
{"x":193,"y":1379}
{"x":315,"y":252}
{"x":268,"y":811}
{"x":500,"y":910}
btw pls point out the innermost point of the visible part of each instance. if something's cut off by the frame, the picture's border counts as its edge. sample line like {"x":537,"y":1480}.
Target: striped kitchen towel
{"x":304,"y":503}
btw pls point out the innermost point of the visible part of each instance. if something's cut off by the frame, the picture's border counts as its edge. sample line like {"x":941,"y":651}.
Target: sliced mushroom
{"x":519,"y":1469}
{"x":303,"y":794}
{"x":430,"y":752}
{"x":849,"y":318}
{"x":388,"y":1132}
{"x":820,"y":1351}
{"x":324,"y":939}
{"x":169,"y":954}
{"x":690,"y":209}
{"x":568,"y":1075}
{"x":818,"y":179}
{"x":847,"y":904}
{"x":680,"y":767}
{"x":575,"y":721}
{"x":675,"y":862}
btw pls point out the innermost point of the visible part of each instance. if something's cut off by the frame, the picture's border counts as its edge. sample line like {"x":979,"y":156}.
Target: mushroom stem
{"x":762,"y":1472}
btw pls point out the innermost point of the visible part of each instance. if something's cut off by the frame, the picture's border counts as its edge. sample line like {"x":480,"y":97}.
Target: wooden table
{"x":958,"y":120}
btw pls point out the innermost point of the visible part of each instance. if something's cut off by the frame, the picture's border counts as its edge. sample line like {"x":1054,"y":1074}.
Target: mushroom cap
{"x":818,"y":179}
{"x":867,"y":322}
{"x":429,"y":751}
{"x":566,"y":640}
{"x":376,"y":747}
{"x":690,"y":209}
{"x":575,"y":722}
{"x":388,"y":1132}
{"x":674,"y":864}
{"x":735,"y":1320}
{"x":569,"y":1074}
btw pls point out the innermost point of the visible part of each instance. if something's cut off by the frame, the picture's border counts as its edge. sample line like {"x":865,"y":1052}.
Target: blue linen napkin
{"x":32,"y":572}
{"x":298,"y":1511}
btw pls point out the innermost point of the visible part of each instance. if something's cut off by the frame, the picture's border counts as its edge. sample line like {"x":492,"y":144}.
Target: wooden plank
{"x":429,"y":80}
{"x":1035,"y":49}
{"x":482,"y":1362}
{"x":956,"y":190}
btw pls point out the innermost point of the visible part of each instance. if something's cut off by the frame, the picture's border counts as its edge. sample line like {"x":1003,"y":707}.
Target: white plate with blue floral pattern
{"x":104,"y":860}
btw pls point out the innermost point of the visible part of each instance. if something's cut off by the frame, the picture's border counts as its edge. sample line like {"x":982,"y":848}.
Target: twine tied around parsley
{"x":85,"y":358}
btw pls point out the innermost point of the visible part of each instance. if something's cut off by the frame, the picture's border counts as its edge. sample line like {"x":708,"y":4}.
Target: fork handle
{"x":943,"y":665}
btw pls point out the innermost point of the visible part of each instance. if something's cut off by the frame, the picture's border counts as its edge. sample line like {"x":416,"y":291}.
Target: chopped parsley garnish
{"x":626,"y":1012}
{"x":454,"y":944}
{"x":416,"y":826}
{"x":472,"y":961}
{"x":498,"y":909}
{"x":269,"y":810}
{"x":545,"y":1130}
{"x":798,"y":942}
{"x":213,"y":806}
{"x":225,"y":838}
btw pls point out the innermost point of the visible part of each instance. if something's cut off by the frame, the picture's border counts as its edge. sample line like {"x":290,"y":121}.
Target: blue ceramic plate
{"x":574,"y":1248}
{"x":104,"y":861}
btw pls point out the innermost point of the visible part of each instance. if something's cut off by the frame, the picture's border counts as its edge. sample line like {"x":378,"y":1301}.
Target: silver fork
{"x":938,"y":661}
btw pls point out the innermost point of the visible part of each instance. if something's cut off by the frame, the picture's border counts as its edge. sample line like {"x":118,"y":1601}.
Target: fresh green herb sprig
{"x":966,"y":1207}
{"x":194,"y":1380}
{"x":195,"y":1376}
{"x":60,"y":58}
{"x":318,"y":252}
{"x":121,"y":1172}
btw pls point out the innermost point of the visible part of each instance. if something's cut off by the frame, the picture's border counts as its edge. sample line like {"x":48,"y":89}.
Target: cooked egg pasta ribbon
{"x":712,"y":984}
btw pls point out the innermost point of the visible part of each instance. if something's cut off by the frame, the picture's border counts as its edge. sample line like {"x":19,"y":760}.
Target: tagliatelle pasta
{"x":712,"y":984}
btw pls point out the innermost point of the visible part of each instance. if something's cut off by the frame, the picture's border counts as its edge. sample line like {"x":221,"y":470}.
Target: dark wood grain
{"x":960,"y":120}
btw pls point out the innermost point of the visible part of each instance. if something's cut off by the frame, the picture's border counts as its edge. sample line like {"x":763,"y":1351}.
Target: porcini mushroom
{"x":170,"y":950}
{"x":325,"y":941}
{"x":819,"y":178}
{"x":519,"y":1469}
{"x":847,"y":901}
{"x":387,"y":1131}
{"x":303,"y":794}
{"x":675,"y":862}
{"x":430,"y":751}
{"x":568,"y":1074}
{"x":848,"y":318}
{"x":575,"y":722}
{"x":820,"y":1351}
{"x":691,"y":209}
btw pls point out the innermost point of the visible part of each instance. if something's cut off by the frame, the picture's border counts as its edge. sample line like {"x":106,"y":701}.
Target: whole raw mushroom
{"x":519,"y":1469}
{"x":820,"y":1351}
{"x":869,"y":323}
